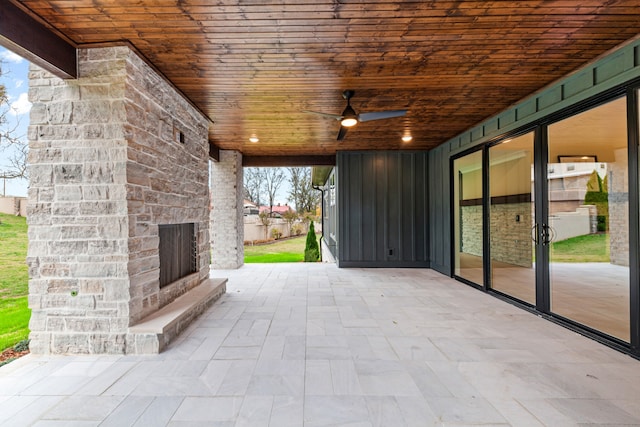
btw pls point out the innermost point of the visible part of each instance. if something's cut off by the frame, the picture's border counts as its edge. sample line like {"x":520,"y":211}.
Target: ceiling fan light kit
{"x":349,"y":121}
{"x":350,"y":118}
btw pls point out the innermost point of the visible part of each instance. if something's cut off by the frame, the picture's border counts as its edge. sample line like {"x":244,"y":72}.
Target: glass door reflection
{"x":588,"y":219}
{"x":468,"y":221}
{"x":512,"y":218}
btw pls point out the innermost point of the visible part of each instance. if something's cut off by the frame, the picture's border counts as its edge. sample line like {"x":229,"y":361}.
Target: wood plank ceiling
{"x":253,"y":66}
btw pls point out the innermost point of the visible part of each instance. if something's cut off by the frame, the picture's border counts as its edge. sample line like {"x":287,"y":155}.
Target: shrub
{"x":296,"y":230}
{"x":261,"y":242}
{"x":21,"y":346}
{"x":593,"y":197}
{"x":597,"y":195}
{"x":601,"y":202}
{"x":595,"y":183}
{"x":311,"y":250}
{"x":276,"y":234}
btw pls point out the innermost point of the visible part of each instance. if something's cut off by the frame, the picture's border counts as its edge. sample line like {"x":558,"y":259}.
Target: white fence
{"x":571,"y":224}
{"x":255,"y":230}
{"x":13,"y":206}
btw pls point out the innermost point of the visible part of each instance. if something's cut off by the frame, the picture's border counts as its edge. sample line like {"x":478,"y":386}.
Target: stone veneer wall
{"x":167,"y":182}
{"x":227,"y":220}
{"x":106,"y":169}
{"x":510,"y":240}
{"x":471,"y":230}
{"x":618,"y":181}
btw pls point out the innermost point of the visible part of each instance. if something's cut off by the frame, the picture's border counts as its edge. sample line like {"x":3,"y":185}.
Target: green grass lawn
{"x":289,"y":250}
{"x":587,"y":248}
{"x":14,"y":314}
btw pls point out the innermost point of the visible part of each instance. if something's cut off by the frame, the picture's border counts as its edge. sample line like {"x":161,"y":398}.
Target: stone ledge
{"x":153,"y":333}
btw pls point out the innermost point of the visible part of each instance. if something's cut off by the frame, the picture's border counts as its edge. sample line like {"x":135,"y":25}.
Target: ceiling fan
{"x":349,"y":118}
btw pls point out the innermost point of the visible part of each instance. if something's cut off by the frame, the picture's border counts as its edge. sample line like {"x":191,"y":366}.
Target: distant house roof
{"x":280,"y":209}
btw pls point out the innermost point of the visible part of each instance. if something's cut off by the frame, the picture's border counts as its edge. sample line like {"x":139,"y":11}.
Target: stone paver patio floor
{"x":314,"y":345}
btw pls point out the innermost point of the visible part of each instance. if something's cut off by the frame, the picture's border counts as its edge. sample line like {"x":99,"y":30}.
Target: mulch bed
{"x":269,"y":241}
{"x":10,"y":353}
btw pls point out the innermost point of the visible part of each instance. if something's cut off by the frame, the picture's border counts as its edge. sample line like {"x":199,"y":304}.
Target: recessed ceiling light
{"x":406,"y":138}
{"x":253,"y":138}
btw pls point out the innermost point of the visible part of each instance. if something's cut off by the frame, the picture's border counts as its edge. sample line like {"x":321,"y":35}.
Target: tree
{"x":595,"y":182}
{"x":261,"y":185}
{"x":16,"y":147}
{"x":273,"y":178}
{"x":311,"y":250}
{"x":265,"y":219}
{"x":597,"y":195}
{"x":290,"y":216}
{"x":254,"y":184}
{"x":302,"y":193}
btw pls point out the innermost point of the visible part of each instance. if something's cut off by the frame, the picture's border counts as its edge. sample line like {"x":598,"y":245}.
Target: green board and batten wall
{"x":617,"y":68}
{"x":359,"y":246}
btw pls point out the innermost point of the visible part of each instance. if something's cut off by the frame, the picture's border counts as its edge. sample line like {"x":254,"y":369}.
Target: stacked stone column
{"x":227,"y":223}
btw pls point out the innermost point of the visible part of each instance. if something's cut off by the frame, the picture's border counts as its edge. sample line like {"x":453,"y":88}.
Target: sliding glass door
{"x":468,"y":220}
{"x":544,"y":218}
{"x":512,"y":218}
{"x":588,"y":218}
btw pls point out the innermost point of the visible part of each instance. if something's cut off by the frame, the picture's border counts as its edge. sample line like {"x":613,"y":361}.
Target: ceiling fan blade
{"x":331,"y":116}
{"x":365,"y":117}
{"x":342,"y":133}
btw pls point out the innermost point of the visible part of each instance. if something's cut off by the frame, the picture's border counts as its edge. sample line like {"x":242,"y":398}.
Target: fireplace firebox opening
{"x":178,"y":251}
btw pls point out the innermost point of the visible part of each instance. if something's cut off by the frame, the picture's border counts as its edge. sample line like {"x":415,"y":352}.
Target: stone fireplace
{"x":116,"y":156}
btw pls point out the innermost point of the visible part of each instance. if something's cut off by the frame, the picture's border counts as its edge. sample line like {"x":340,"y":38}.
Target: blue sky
{"x":15,"y":79}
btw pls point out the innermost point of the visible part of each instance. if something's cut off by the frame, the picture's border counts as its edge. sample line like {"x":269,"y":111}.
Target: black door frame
{"x":458,"y":178}
{"x":633,"y":123}
{"x":543,"y":299}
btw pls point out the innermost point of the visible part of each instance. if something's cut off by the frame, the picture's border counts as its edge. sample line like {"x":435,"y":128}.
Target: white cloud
{"x":21,"y":106}
{"x":19,"y":83}
{"x":7,"y":55}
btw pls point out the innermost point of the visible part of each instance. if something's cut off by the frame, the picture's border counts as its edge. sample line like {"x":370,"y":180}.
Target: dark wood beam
{"x":214,"y":152}
{"x":35,"y":42}
{"x":279,"y":161}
